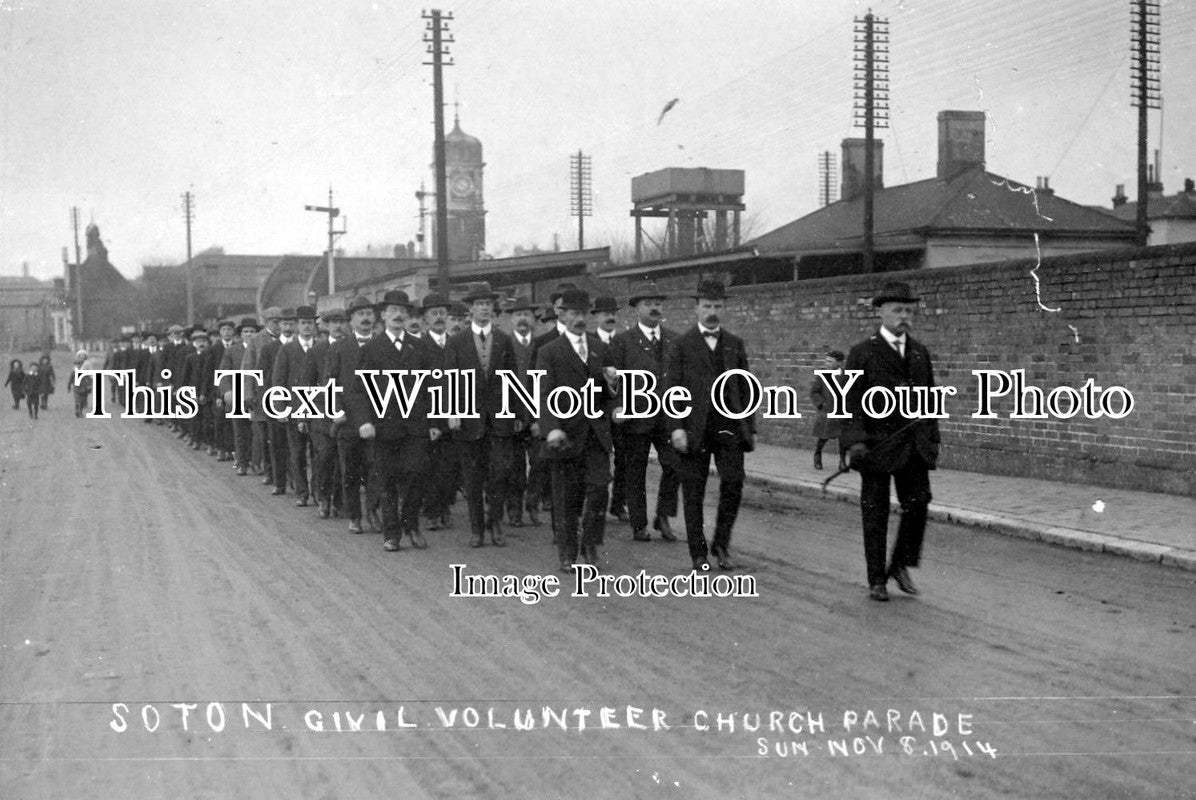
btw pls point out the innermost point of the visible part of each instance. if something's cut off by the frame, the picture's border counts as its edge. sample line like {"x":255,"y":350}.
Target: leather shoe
{"x":266,"y":481}
{"x":477,"y":540}
{"x":374,"y":520}
{"x":496,"y":535}
{"x":904,"y":582}
{"x":242,"y":471}
{"x":878,"y":592}
{"x":701,"y":564}
{"x":566,"y":564}
{"x":533,"y":518}
{"x":325,"y":509}
{"x":724,"y":559}
{"x":302,"y":501}
{"x":620,"y":514}
{"x":354,"y":526}
{"x":818,"y":461}
{"x":276,"y":491}
{"x":417,"y":539}
{"x":590,"y":556}
{"x":432,"y":523}
{"x":666,"y":530}
{"x":641,"y":535}
{"x":391,"y":545}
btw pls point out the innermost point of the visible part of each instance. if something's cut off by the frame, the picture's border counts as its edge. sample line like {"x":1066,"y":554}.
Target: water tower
{"x":686,"y":197}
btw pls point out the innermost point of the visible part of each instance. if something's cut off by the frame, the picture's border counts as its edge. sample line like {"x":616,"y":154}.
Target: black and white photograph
{"x":618,"y":400}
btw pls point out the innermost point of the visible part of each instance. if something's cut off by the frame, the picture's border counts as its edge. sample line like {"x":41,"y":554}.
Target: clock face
{"x":462,"y":185}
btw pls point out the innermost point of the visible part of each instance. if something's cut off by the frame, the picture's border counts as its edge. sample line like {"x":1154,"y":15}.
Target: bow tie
{"x":711,"y":334}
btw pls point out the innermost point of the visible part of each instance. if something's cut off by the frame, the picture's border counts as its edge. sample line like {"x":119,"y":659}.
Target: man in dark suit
{"x":702,"y":354}
{"x":605,"y":315}
{"x":484,"y":444}
{"x":325,"y":480}
{"x":579,"y":448}
{"x":221,"y":431}
{"x":193,"y":375}
{"x":526,"y":445}
{"x":293,"y":369}
{"x":351,"y":450}
{"x":892,"y":446}
{"x":438,"y":484}
{"x":540,"y":480}
{"x":397,"y":440}
{"x":276,"y":429}
{"x":644,"y":347}
{"x":242,"y":429}
{"x":253,"y":360}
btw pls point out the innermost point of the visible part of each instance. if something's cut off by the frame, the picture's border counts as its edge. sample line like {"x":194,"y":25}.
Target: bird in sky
{"x":667,"y":108}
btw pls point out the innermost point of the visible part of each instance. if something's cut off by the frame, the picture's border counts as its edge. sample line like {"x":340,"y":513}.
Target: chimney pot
{"x":961,"y":142}
{"x":1119,"y":198}
{"x":1189,"y":186}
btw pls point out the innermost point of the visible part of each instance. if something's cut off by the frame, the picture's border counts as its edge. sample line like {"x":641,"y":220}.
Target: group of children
{"x":36,"y":383}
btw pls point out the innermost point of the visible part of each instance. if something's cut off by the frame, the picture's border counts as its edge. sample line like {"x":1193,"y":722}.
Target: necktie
{"x":482,"y":336}
{"x":399,"y":344}
{"x":581,"y":349}
{"x":899,"y":346}
{"x":656,"y":346}
{"x":710,"y":335}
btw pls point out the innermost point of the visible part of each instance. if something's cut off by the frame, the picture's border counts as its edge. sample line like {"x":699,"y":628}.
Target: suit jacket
{"x":193,"y":373}
{"x":231,"y":358}
{"x":461,"y":353}
{"x":212,"y":359}
{"x":292,"y":367}
{"x":176,"y":361}
{"x":564,"y":368}
{"x":317,"y":375}
{"x":381,"y":354}
{"x":256,"y":358}
{"x":630,"y":349}
{"x":890,"y":441}
{"x":692,"y":364}
{"x":341,"y":366}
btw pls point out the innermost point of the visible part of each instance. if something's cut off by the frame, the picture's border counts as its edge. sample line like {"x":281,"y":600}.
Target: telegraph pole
{"x":1145,"y":93}
{"x":189,"y":214}
{"x":581,"y":203}
{"x":438,"y":47}
{"x":421,"y":195}
{"x":333,"y":212}
{"x":78,"y":282}
{"x":872,"y":91}
{"x":826,"y":178}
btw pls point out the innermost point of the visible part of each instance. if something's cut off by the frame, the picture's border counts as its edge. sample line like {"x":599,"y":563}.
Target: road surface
{"x":137,"y":576}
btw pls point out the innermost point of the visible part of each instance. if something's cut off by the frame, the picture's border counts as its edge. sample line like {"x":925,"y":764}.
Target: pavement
{"x":1142,"y":525}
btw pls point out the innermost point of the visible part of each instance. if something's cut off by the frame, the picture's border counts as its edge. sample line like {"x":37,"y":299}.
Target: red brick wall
{"x":1135,"y":314}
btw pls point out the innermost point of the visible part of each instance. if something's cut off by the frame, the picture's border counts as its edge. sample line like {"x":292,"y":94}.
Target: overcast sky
{"x":119,"y":107}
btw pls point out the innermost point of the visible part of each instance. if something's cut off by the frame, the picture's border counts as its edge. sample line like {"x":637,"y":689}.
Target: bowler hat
{"x":288,"y":313}
{"x":227,"y":322}
{"x":357,"y":304}
{"x":458,"y":309}
{"x":199,"y":333}
{"x":247,"y":322}
{"x":305,"y":312}
{"x":605,"y":304}
{"x":560,"y":290}
{"x":576,"y":299}
{"x":520,"y":303}
{"x":479,"y":291}
{"x":710,"y":290}
{"x":434,"y":300}
{"x":395,"y":297}
{"x":895,"y":292}
{"x":649,"y":292}
{"x":334,"y":315}
{"x":272,"y":313}
{"x":175,"y":328}
{"x":546,"y":314}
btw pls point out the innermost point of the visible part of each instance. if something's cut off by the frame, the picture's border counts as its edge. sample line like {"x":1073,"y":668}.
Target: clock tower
{"x":466,"y":213}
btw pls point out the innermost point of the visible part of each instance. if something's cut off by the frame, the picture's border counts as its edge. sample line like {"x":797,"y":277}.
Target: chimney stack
{"x":851,"y":168}
{"x":1044,"y":185}
{"x":1189,"y":186}
{"x":961,"y":142}
{"x":1119,"y":198}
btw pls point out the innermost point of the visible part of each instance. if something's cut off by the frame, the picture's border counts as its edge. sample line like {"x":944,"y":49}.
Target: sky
{"x":257,"y":107}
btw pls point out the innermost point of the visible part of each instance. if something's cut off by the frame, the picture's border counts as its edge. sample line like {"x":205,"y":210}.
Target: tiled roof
{"x":1178,"y":206}
{"x":973,"y":202}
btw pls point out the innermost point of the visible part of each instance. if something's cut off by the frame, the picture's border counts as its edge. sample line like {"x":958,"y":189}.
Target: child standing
{"x":16,"y":382}
{"x":33,"y":390}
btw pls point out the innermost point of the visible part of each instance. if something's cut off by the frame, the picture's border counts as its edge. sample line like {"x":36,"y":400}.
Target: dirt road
{"x":136,"y":575}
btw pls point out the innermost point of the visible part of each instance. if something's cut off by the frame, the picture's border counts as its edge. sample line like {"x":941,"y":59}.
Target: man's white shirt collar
{"x":649,"y":333}
{"x":478,"y":330}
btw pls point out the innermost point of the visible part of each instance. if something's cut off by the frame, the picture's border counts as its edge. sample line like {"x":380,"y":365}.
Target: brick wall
{"x":1134,"y":313}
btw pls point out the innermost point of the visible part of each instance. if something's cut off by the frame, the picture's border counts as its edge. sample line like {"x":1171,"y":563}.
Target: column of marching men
{"x":401,"y":474}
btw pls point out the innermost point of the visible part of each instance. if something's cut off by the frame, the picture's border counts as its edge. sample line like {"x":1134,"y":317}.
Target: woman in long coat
{"x":826,"y":429}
